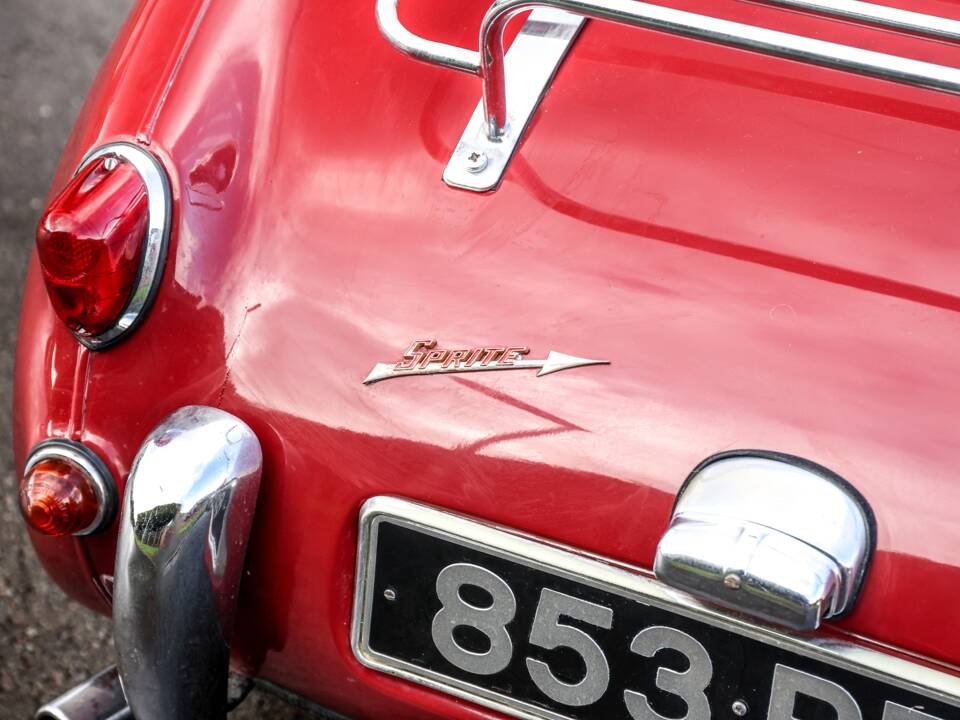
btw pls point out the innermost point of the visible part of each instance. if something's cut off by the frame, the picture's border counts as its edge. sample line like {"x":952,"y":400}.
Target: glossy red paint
{"x":765,"y":252}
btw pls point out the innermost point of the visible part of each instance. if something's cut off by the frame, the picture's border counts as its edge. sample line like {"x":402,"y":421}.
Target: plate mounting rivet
{"x":475,"y":161}
{"x":390,"y":594}
{"x":740,"y":708}
{"x":731,"y":581}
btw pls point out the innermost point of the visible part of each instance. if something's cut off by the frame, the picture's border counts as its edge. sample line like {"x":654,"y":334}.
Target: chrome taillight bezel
{"x":156,"y":240}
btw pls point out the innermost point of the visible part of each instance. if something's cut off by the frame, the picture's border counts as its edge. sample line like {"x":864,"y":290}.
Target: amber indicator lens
{"x":58,"y":498}
{"x":90,"y":244}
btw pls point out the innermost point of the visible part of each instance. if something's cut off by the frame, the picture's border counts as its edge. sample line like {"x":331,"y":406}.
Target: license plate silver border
{"x":603,"y":574}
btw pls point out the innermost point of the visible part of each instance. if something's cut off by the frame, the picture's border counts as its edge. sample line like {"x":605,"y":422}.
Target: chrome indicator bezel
{"x":618,"y":578}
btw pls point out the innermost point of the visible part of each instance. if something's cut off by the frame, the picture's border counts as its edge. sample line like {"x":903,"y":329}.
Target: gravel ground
{"x":49,"y":53}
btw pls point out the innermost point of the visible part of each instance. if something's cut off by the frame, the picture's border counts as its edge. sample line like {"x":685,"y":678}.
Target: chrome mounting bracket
{"x":479,"y":161}
{"x":519,"y":78}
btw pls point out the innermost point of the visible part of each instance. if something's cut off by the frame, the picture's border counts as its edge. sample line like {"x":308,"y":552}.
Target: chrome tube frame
{"x":490,"y":63}
{"x":710,"y":29}
{"x":427,"y":51}
{"x":188,"y":509}
{"x":882,"y":16}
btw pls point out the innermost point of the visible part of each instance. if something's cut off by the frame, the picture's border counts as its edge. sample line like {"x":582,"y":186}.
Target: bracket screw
{"x":390,"y":594}
{"x":740,"y":708}
{"x":110,"y":164}
{"x":732,"y":581}
{"x":475,"y":161}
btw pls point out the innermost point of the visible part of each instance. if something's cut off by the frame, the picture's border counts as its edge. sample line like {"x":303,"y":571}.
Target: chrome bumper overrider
{"x":187,"y":513}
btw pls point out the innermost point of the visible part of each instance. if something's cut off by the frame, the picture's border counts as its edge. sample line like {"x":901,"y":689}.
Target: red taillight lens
{"x":57,"y":497}
{"x":90,"y":243}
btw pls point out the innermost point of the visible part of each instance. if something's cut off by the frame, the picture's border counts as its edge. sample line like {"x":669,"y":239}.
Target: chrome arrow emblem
{"x":423,"y":358}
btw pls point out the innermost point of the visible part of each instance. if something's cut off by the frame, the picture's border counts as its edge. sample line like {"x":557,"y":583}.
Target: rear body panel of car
{"x":766,"y":254}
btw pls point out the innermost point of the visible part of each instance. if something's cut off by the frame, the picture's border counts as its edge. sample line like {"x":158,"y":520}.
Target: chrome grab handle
{"x":489,"y":63}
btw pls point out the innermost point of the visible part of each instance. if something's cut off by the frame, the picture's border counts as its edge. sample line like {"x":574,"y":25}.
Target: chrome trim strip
{"x":160,"y":210}
{"x":604,"y":574}
{"x":188,"y":510}
{"x":93,"y":466}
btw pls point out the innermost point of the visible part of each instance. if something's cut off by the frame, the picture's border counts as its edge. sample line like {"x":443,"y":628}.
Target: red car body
{"x":766,"y":252}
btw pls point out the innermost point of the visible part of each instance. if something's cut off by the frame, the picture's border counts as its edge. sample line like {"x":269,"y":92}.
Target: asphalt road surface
{"x":49,"y":53}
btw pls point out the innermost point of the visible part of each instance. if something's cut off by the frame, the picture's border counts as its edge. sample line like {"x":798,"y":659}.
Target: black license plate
{"x":537,"y":631}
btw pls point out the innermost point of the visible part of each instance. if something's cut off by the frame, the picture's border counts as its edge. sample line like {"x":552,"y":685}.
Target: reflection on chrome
{"x":188,"y":509}
{"x":98,"y":698}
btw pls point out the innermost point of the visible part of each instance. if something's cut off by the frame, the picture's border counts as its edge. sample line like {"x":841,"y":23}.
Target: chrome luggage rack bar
{"x":889,"y":18}
{"x":509,"y":99}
